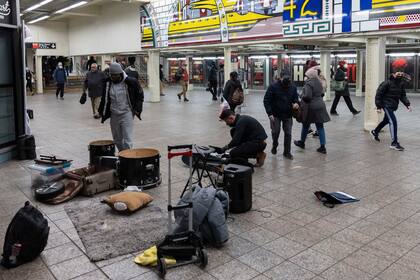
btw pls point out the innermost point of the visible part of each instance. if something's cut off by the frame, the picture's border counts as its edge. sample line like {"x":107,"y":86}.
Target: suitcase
{"x":237,"y":182}
{"x":94,"y":180}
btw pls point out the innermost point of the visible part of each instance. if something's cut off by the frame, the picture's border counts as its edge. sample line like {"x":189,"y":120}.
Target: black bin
{"x":238,"y":183}
{"x":26,"y":147}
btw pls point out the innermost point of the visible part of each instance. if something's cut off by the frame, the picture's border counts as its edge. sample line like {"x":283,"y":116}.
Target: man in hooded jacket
{"x":121,"y":100}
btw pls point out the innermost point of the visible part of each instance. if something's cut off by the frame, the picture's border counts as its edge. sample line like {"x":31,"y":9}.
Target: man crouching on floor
{"x":248,"y":137}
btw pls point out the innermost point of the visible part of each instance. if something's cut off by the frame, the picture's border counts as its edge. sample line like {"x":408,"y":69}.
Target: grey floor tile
{"x":352,"y":237}
{"x":234,"y":270}
{"x":305,"y":236}
{"x":368,"y":261}
{"x":398,"y":272}
{"x":284,"y":247}
{"x":259,"y":236}
{"x":124,"y":269}
{"x":280,"y":226}
{"x":343,"y":271}
{"x":72,"y":268}
{"x":334,"y":248}
{"x":61,"y":253}
{"x":313,"y":261}
{"x":239,"y":225}
{"x":411,"y":260}
{"x":238,"y":246}
{"x":289,"y":271}
{"x":216,"y":257}
{"x":261,"y":259}
{"x":94,"y":275}
{"x":401,"y":238}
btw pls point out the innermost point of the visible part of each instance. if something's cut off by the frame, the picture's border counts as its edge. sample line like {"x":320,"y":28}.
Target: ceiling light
{"x":36,"y":6}
{"x":81,"y":3}
{"x":38,"y":19}
{"x":401,"y":54}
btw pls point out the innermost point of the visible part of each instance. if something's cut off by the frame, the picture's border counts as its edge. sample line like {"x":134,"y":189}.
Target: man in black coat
{"x":230,"y":88}
{"x":388,"y":95}
{"x":121,"y":100}
{"x":213,"y":80}
{"x":248,"y":137}
{"x":95,"y":85}
{"x":279,"y":100}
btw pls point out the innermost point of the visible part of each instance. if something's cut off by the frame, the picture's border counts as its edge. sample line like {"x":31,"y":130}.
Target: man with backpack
{"x":279,"y":100}
{"x":232,"y":90}
{"x":183,"y":78}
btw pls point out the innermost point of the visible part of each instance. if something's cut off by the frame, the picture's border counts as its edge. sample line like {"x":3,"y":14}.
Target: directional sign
{"x":5,"y":12}
{"x":41,"y":45}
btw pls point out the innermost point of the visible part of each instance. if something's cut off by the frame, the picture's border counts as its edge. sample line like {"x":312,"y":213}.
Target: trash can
{"x":26,"y":147}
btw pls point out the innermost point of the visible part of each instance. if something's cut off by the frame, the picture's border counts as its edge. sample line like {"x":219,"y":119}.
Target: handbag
{"x":83,"y":98}
{"x":339,"y":85}
{"x":238,"y":96}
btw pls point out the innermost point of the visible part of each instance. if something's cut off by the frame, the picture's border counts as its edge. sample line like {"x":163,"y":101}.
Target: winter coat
{"x":339,"y":76}
{"x":278,"y":101}
{"x":210,"y":208}
{"x":246,"y":129}
{"x":312,"y":105}
{"x":230,"y":88}
{"x":389,"y":93}
{"x":95,"y":83}
{"x":213,"y":74}
{"x":60,"y":76}
{"x":132,"y":72}
{"x":135,"y":94}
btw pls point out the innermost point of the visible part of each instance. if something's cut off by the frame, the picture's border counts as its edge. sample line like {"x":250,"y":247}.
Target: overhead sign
{"x":5,"y":12}
{"x":41,"y":45}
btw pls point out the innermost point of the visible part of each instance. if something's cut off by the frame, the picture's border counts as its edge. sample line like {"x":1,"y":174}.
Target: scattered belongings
{"x":128,"y":202}
{"x":331,"y":199}
{"x":149,"y":258}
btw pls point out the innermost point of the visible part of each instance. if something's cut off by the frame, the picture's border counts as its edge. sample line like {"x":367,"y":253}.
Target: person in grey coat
{"x":95,"y":85}
{"x":313,"y":109}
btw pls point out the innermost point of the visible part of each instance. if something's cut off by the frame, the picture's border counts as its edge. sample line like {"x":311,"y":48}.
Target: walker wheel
{"x":161,"y":267}
{"x":202,"y":255}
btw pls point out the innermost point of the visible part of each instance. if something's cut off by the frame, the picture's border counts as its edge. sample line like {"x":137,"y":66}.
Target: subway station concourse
{"x":99,"y":99}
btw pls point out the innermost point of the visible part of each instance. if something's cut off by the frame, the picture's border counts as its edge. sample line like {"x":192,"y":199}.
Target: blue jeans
{"x":390,"y":119}
{"x":319,"y":128}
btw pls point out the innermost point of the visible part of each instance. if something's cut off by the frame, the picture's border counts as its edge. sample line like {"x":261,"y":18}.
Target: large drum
{"x":100,"y":148}
{"x":139,"y":167}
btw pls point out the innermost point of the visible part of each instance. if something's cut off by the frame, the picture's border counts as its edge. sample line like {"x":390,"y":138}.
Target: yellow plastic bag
{"x":149,"y":258}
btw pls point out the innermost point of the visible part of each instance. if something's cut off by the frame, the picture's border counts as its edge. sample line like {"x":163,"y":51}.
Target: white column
{"x":375,"y":73}
{"x":38,"y":74}
{"x":153,"y":75}
{"x":104,"y":59}
{"x":188,"y":61}
{"x":325,"y":69}
{"x":359,"y":73}
{"x":279,"y":63}
{"x":228,"y":63}
{"x":267,"y":73}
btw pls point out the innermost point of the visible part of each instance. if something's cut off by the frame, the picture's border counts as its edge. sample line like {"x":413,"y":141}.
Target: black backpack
{"x":178,"y":75}
{"x":27,"y":235}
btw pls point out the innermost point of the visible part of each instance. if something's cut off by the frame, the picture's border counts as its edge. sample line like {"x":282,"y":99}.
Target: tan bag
{"x":238,"y":97}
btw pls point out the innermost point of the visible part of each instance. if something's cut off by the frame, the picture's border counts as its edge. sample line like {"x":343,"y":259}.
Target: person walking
{"x":184,"y":79}
{"x":60,"y":78}
{"x":213,"y":80}
{"x":90,"y":62}
{"x":131,"y":69}
{"x":340,"y":76}
{"x":220,"y":80}
{"x":279,"y":101}
{"x":388,"y":95}
{"x":28,"y":78}
{"x":95,"y":85}
{"x":162,"y":79}
{"x":230,"y":87}
{"x":313,"y":109}
{"x":121,"y":100}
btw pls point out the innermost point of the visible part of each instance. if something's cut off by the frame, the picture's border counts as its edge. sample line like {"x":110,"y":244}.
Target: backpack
{"x":26,"y":237}
{"x":178,"y":75}
{"x":238,"y":96}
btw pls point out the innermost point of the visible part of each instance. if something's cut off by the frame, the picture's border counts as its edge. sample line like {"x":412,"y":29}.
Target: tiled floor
{"x":288,"y":234}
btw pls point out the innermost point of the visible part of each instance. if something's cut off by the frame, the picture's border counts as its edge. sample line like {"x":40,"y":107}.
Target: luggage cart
{"x":186,"y":247}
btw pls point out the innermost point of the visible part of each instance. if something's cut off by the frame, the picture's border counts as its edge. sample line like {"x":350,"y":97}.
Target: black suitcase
{"x":237,"y":182}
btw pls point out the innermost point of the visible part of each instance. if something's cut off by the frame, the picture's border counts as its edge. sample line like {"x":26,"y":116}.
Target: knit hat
{"x":341,"y":63}
{"x":115,"y":68}
{"x":399,"y":65}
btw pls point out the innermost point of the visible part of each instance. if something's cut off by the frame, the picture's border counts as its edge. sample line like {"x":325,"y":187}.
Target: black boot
{"x":300,"y":144}
{"x":322,"y":150}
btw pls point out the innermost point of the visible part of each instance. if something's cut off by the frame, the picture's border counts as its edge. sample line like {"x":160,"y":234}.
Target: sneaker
{"x":96,"y":116}
{"x":322,"y":150}
{"x":315,"y":134}
{"x":356,"y":112}
{"x":300,"y":144}
{"x":310,"y":131}
{"x":334,"y":113}
{"x":375,"y":135}
{"x":274,"y":150}
{"x":186,"y":100}
{"x":260,"y":159}
{"x":396,"y":146}
{"x":179,"y":97}
{"x":288,"y":156}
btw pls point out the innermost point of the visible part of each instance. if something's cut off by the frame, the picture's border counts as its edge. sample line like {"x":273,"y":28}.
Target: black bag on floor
{"x":26,"y":237}
{"x":26,"y":147}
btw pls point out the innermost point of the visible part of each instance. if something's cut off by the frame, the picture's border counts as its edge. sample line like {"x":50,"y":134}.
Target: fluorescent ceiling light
{"x":401,"y":54}
{"x":38,"y":19}
{"x":258,"y":56}
{"x":353,"y":55}
{"x":81,"y":3}
{"x":36,"y":6}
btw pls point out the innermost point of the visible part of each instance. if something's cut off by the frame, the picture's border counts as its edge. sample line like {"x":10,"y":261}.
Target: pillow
{"x":128,"y":201}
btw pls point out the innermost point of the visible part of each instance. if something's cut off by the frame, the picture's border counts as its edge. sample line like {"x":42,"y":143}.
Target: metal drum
{"x":139,"y":167}
{"x":100,"y":148}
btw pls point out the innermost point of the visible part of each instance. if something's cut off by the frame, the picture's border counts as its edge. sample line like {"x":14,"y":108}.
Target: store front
{"x":12,"y":96}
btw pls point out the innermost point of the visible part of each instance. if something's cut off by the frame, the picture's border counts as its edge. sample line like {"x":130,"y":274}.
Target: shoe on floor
{"x":300,"y":144}
{"x":162,"y":94}
{"x":356,"y":112}
{"x":96,"y":116}
{"x":334,"y":113}
{"x":396,"y":146}
{"x":260,"y":159}
{"x":186,"y":100}
{"x":375,"y":135}
{"x":310,"y":131}
{"x":274,"y":150}
{"x":322,"y":150}
{"x":288,"y":156}
{"x":179,"y":96}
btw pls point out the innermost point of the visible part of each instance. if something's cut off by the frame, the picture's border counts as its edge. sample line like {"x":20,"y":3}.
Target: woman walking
{"x":313,"y":109}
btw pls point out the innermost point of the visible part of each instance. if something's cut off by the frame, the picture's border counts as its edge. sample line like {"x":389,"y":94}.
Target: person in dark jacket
{"x":220,"y":80}
{"x":60,"y":78}
{"x":28,"y":77}
{"x":388,"y":95}
{"x":213,"y":80}
{"x":230,"y":88}
{"x":162,"y":79}
{"x":340,"y":76}
{"x":279,"y":100}
{"x":313,"y":109}
{"x":131,"y":69}
{"x":184,"y":80}
{"x":121,"y":100}
{"x":90,"y":62}
{"x":95,"y":84}
{"x":248,"y":137}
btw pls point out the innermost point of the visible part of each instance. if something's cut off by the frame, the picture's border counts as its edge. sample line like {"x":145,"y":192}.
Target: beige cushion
{"x":128,"y":201}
